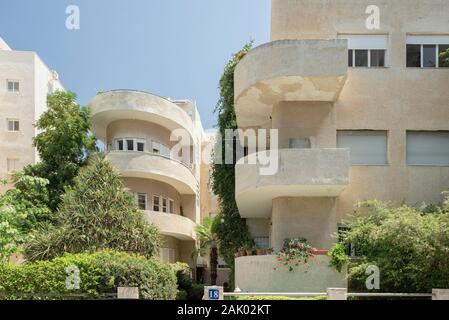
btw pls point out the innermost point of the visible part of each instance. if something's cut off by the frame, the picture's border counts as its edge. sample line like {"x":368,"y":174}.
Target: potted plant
{"x":295,"y":252}
{"x":249,"y":250}
{"x":270,"y":251}
{"x":241,"y":252}
{"x":259,"y":251}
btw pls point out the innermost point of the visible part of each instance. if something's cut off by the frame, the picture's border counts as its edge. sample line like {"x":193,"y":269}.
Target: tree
{"x":64,"y":144}
{"x":409,"y":246}
{"x":229,"y":227}
{"x":209,"y":244}
{"x":22,"y":209}
{"x":98,"y":212}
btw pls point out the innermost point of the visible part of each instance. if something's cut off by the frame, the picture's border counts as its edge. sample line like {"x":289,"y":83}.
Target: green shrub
{"x":338,"y":257}
{"x":410,"y":247}
{"x":188,"y":289}
{"x":100,"y":273}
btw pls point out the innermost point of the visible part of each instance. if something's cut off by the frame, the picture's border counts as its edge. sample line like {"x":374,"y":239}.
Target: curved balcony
{"x":300,"y":173}
{"x":152,"y":166}
{"x":136,"y":105}
{"x":288,"y":70}
{"x":172,"y":225}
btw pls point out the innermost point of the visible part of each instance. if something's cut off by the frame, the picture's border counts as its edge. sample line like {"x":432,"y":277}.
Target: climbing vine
{"x":229,"y":227}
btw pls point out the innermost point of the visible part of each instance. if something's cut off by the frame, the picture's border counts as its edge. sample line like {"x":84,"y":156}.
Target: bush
{"x":187,"y":288}
{"x":100,"y":274}
{"x":410,"y":247}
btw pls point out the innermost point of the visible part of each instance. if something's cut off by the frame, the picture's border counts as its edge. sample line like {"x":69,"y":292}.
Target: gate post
{"x":337,"y":294}
{"x":440,"y":294}
{"x":127,"y":293}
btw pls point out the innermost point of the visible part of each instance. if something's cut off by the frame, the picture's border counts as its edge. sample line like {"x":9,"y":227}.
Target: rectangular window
{"x":366,"y":50}
{"x":120,"y":145}
{"x":130,"y":145}
{"x":428,"y":148}
{"x":12,"y":164}
{"x":13,"y":125}
{"x":164,"y":205}
{"x":142,"y":201}
{"x":171,"y":206}
{"x":156,"y":147}
{"x":262,"y":242}
{"x":361,"y":58}
{"x":429,"y":56}
{"x":377,"y":58}
{"x":366,"y":147}
{"x":413,"y":56}
{"x":156,"y":203}
{"x":140,"y":146}
{"x":13,"y":86}
{"x":300,"y":143}
{"x":424,"y":51}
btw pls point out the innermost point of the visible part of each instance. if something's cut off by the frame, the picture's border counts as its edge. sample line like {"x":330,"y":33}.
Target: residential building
{"x":25,"y":82}
{"x":142,"y":135}
{"x":359,"y":98}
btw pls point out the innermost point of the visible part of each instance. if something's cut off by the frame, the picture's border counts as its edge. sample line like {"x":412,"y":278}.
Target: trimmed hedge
{"x":100,"y":274}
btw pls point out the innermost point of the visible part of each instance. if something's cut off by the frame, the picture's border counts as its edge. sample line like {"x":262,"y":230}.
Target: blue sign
{"x":214,"y":294}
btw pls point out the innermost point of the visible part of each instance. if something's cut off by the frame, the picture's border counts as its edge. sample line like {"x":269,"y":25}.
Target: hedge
{"x":100,"y":274}
{"x":188,"y":289}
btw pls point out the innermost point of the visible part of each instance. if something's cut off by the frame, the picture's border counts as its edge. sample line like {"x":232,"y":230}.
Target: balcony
{"x":300,"y":173}
{"x":257,"y":274}
{"x":136,"y":105}
{"x":153,"y":166}
{"x":288,"y":70}
{"x":172,"y":225}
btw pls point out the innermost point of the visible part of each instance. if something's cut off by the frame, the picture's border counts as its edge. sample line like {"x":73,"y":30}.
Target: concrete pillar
{"x":440,"y":294}
{"x":337,"y":294}
{"x":127,"y":293}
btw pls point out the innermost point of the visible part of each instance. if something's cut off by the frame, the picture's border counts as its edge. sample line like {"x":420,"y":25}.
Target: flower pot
{"x":242,"y":253}
{"x":249,"y":252}
{"x":320,"y":252}
{"x":259,"y":252}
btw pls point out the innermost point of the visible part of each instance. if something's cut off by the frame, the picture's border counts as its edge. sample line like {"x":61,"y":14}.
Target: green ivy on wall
{"x":229,"y":227}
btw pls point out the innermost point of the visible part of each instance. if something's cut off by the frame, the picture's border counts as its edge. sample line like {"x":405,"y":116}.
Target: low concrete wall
{"x":257,"y":274}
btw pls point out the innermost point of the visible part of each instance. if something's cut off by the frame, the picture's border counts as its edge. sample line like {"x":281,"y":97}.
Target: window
{"x":141,"y":201}
{"x":361,"y":58}
{"x":159,"y":148}
{"x":156,"y":203}
{"x":13,"y":86}
{"x":424,"y":51}
{"x":167,"y":255}
{"x":366,"y":50}
{"x":171,"y":206}
{"x":262,"y":242}
{"x":301,"y":143}
{"x":13,"y":125}
{"x":131,"y":144}
{"x":366,"y":147}
{"x":413,"y":56}
{"x":428,"y":148}
{"x":120,"y":145}
{"x":164,"y":205}
{"x":12,"y":164}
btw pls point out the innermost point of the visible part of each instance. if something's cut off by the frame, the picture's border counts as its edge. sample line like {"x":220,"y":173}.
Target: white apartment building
{"x":25,"y":82}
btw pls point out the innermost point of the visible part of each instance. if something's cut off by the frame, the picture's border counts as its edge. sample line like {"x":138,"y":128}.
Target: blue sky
{"x":173,"y":48}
